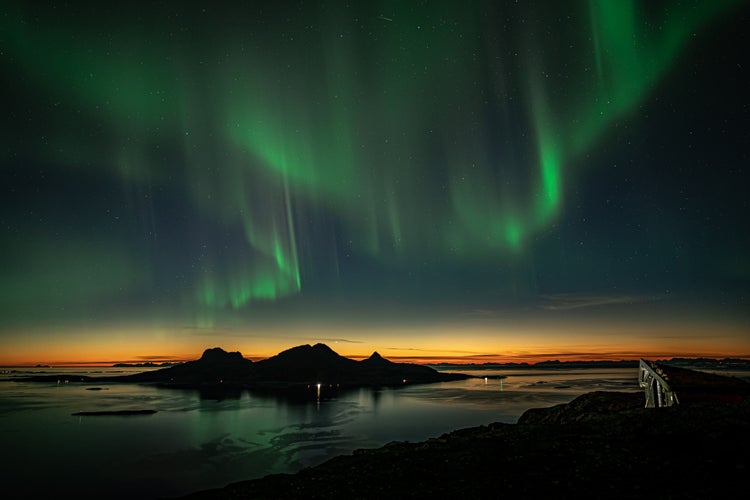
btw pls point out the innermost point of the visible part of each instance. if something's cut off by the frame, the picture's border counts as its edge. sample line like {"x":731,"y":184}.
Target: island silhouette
{"x":305,"y":370}
{"x":300,"y":368}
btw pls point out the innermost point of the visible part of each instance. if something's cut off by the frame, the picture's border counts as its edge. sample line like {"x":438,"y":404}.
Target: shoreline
{"x":601,"y":444}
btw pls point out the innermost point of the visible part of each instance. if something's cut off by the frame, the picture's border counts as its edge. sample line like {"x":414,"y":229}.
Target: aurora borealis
{"x":473,"y":180}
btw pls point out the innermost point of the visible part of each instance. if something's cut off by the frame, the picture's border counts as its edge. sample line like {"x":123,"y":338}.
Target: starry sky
{"x":443,"y":180}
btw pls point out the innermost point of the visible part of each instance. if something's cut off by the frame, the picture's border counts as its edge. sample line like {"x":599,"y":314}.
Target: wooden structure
{"x":666,"y":385}
{"x":653,"y":381}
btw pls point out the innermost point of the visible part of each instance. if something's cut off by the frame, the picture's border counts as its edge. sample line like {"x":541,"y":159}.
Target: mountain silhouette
{"x":215,"y":366}
{"x":306,"y":363}
{"x":376,"y":360}
{"x":302,"y":365}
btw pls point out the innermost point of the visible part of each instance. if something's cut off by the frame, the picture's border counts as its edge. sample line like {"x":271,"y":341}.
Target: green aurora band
{"x":372,"y":113}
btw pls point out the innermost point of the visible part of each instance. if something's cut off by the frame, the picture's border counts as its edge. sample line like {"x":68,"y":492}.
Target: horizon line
{"x":528,"y":359}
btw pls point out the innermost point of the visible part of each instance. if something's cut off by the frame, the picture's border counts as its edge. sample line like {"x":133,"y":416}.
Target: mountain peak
{"x":217,"y":354}
{"x":297,"y":367}
{"x":376,"y":358}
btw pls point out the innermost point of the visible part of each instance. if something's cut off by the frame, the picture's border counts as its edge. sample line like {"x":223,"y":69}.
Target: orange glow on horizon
{"x":108,"y":358}
{"x":425,"y":344}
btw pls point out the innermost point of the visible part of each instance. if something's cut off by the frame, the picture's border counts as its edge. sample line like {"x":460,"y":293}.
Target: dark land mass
{"x":600,"y":445}
{"x":544,"y":364}
{"x":300,"y":372}
{"x":296,"y":370}
{"x":695,"y":363}
{"x":125,"y":413}
{"x":295,"y":373}
{"x":709,"y":363}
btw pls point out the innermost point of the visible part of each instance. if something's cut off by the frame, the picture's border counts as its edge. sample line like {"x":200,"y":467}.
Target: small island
{"x":123,"y":413}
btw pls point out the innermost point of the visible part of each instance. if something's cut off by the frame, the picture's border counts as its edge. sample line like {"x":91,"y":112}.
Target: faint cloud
{"x":569,"y":301}
{"x":508,"y":310}
{"x":482,"y":355}
{"x":346,"y":341}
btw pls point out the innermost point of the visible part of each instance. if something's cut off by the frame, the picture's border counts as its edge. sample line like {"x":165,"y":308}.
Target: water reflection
{"x":201,"y":439}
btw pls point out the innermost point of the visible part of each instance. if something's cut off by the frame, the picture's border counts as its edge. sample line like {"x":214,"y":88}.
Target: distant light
{"x":318,"y":385}
{"x":404,"y":381}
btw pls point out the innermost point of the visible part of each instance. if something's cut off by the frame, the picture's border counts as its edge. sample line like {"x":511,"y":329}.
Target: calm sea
{"x":193,"y":443}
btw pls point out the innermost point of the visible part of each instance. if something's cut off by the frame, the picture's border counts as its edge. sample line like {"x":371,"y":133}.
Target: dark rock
{"x":113,"y":412}
{"x":589,"y":406}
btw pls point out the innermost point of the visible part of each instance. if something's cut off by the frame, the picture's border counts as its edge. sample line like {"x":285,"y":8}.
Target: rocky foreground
{"x":601,"y":445}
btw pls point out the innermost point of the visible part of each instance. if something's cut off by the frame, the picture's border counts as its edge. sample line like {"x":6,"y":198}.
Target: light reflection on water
{"x":194,"y":443}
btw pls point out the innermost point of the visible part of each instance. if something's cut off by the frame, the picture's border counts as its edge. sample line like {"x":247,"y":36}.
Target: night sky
{"x":497,"y":180}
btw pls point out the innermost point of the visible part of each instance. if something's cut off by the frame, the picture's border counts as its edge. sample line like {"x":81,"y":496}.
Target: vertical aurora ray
{"x":548,"y":197}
